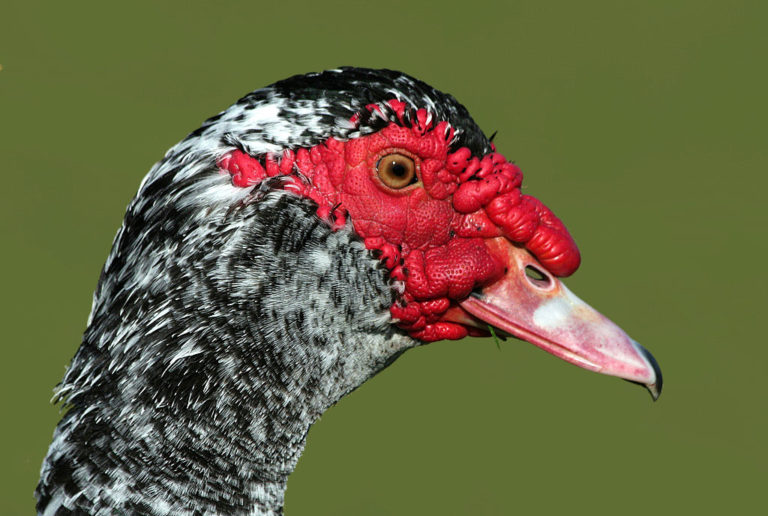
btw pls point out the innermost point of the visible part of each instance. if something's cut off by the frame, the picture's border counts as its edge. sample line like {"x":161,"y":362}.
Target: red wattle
{"x":430,"y":235}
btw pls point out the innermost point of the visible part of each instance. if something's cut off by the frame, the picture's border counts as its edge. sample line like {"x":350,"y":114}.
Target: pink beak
{"x":531,"y":304}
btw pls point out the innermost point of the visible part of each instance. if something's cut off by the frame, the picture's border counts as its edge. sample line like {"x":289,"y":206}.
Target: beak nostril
{"x":537,"y":277}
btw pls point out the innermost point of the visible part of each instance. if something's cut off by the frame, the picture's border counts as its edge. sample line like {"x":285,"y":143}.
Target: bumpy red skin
{"x":431,"y":235}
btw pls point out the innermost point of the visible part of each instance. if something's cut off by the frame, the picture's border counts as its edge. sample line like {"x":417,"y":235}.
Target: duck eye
{"x":396,"y":170}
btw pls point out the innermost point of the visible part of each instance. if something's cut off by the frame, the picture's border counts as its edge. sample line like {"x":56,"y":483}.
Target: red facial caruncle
{"x":469,"y":249}
{"x":430,"y":234}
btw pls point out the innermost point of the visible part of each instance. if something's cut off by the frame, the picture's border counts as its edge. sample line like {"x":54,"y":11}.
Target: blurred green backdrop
{"x":642,"y":124}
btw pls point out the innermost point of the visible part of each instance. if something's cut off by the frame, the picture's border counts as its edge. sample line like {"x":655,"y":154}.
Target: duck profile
{"x":279,"y":256}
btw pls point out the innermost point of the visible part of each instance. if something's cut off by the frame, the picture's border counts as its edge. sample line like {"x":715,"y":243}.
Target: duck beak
{"x":531,"y":304}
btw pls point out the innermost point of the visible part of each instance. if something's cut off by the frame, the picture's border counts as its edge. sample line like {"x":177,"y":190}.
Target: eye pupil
{"x":397,"y":171}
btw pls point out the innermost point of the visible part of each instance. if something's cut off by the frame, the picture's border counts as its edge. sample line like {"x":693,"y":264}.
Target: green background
{"x":642,"y":124}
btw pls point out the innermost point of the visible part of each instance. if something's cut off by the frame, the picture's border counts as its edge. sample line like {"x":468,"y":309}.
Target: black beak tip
{"x":654,"y":388}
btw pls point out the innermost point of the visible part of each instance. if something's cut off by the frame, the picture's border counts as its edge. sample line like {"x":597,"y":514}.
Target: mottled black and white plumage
{"x":227,"y":320}
{"x":277,"y":258}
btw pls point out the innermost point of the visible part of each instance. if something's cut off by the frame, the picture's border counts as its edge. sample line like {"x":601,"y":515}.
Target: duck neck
{"x":193,"y":392}
{"x":231,"y":455}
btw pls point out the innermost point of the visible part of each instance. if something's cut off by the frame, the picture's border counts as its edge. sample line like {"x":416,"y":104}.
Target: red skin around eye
{"x":431,"y":235}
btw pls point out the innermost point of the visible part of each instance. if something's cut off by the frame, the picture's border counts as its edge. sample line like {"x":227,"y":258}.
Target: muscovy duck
{"x":278,"y":257}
